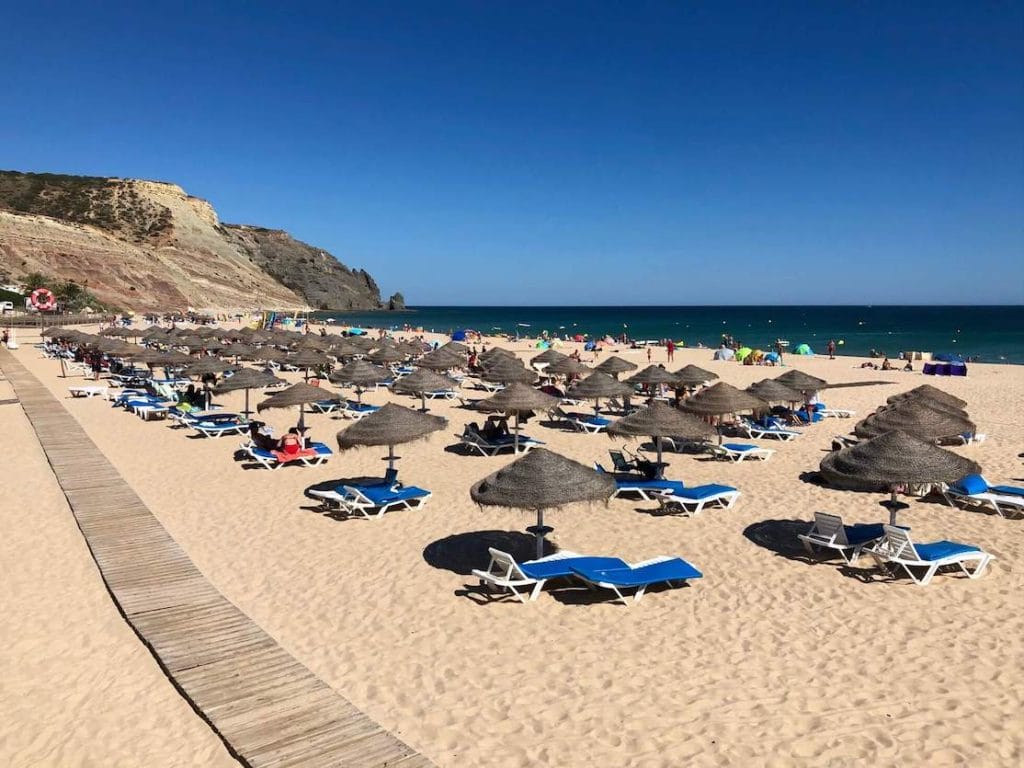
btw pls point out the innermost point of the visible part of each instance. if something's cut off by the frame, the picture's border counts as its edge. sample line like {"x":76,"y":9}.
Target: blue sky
{"x":590,"y":153}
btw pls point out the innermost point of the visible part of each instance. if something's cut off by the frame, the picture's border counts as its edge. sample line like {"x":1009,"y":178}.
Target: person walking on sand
{"x":648,"y":353}
{"x":670,"y":349}
{"x":831,"y":349}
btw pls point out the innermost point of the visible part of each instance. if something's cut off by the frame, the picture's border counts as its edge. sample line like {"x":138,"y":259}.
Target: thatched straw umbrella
{"x":518,"y":398}
{"x":892,"y":461}
{"x":392,"y":425}
{"x":456,"y":347}
{"x":306,"y":359}
{"x":421,"y":381}
{"x":542,"y":480}
{"x":802,"y":382}
{"x":547,"y":357}
{"x":508,"y":370}
{"x":441,"y":360}
{"x":246,"y":379}
{"x":238,"y":350}
{"x":692,"y":376}
{"x":653,"y":376}
{"x":410,"y":348}
{"x":299,"y":394}
{"x":613,"y":366}
{"x":567,"y":367}
{"x":772,"y":391}
{"x":494,"y":354}
{"x":269,"y":355}
{"x":659,"y":420}
{"x":205,"y":367}
{"x":386,"y":355}
{"x":596,"y":387}
{"x":723,"y":399}
{"x":916,"y":417}
{"x":359,"y":374}
{"x":934,"y":394}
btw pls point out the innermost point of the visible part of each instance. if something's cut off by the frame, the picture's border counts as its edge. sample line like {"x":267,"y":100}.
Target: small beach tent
{"x":743,"y":353}
{"x":590,"y":346}
{"x":724,"y":353}
{"x":459,"y":335}
{"x":356,"y":331}
{"x":542,"y":345}
{"x":803,"y":349}
{"x":772,"y":357}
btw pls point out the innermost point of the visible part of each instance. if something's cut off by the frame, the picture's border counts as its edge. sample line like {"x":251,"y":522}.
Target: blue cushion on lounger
{"x":702,"y":491}
{"x":858,"y":534}
{"x":675,"y":569}
{"x":381,"y":495}
{"x":741,"y":447}
{"x":553,"y":569}
{"x":1008,"y":490}
{"x":971,"y":484}
{"x":675,"y":486}
{"x":937,"y":550}
{"x":321,"y":449}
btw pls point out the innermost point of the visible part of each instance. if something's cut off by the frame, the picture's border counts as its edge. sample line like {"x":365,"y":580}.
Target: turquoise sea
{"x":989,"y":333}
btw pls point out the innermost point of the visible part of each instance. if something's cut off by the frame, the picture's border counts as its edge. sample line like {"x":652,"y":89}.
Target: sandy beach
{"x":767,"y":660}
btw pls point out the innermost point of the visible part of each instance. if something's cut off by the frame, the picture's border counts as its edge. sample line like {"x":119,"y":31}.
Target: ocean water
{"x":991,"y":334}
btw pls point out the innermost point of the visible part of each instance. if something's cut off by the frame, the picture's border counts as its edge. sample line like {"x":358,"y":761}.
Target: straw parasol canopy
{"x":567,"y":366}
{"x":205,"y":366}
{"x":308,"y":358}
{"x":802,"y":382}
{"x":652,"y":374}
{"x":542,"y":480}
{"x":494,"y":354}
{"x":359,"y":374}
{"x":386,"y":354}
{"x":916,"y":417}
{"x":613,"y":366}
{"x":300,"y":394}
{"x":693,"y":376}
{"x":246,"y":379}
{"x":659,"y":420}
{"x":891,"y":461}
{"x":597,"y":386}
{"x":517,"y":398}
{"x":392,"y":425}
{"x":772,"y":391}
{"x":548,"y":356}
{"x":721,"y":399}
{"x":508,"y":370}
{"x":269,"y":355}
{"x":456,"y":347}
{"x":238,"y":350}
{"x":421,"y":381}
{"x":934,"y":394}
{"x":441,"y":360}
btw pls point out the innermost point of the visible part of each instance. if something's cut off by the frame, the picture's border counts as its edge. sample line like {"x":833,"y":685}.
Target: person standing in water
{"x":831,"y":349}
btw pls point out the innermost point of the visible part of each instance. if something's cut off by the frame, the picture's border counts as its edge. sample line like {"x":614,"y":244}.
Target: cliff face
{"x":148,"y":245}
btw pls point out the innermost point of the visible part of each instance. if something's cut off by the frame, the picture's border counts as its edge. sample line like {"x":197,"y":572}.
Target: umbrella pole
{"x":515,"y":438}
{"x":302,"y":420}
{"x":423,"y":401}
{"x":391,"y":457}
{"x":892,"y":506}
{"x":657,"y":445}
{"x":247,"y":412}
{"x":540,"y":531}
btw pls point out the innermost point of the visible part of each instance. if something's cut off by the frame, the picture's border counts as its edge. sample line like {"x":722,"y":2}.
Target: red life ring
{"x":43,"y":299}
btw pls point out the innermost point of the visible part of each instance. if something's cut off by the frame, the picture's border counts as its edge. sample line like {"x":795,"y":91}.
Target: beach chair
{"x":738,"y":451}
{"x":218,"y":427}
{"x":660,"y":570}
{"x":757,"y":431}
{"x":441,"y":394}
{"x":837,"y":413}
{"x":89,"y":391}
{"x":630,"y":484}
{"x":504,"y":574}
{"x":356,"y":410}
{"x":326,"y":406}
{"x":491,"y":446}
{"x":966,"y":438}
{"x":692,"y":501}
{"x":317,"y":453}
{"x":374,"y":500}
{"x":591,"y":425}
{"x":332,"y":498}
{"x":975,"y":490}
{"x":896,"y":547}
{"x":828,"y":532}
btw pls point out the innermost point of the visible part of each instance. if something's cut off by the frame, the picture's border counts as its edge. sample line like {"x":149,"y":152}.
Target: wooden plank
{"x":268,"y":708}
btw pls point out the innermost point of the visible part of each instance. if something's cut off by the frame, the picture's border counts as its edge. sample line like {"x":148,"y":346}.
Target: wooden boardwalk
{"x":268,"y":708}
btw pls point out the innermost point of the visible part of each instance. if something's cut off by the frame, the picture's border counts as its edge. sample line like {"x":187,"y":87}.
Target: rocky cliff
{"x":149,"y":245}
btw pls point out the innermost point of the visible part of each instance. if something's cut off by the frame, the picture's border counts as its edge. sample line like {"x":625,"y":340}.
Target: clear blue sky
{"x":591,"y":153}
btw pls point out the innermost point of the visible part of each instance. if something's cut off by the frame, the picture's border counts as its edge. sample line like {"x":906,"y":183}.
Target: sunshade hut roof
{"x":307,"y":358}
{"x":548,"y":356}
{"x":359,"y":373}
{"x":391,"y":425}
{"x":615,"y":365}
{"x":801,"y":381}
{"x":507,"y":370}
{"x":542,"y":479}
{"x":720,"y":399}
{"x":441,"y":360}
{"x":238,"y":349}
{"x":928,"y":392}
{"x":454,"y":346}
{"x":567,"y":366}
{"x":387,"y":354}
{"x":297,"y":394}
{"x":652,"y":374}
{"x":206,"y":365}
{"x":518,"y":397}
{"x":422,"y":380}
{"x":269,"y":354}
{"x":915,"y":417}
{"x":661,"y":420}
{"x":773,"y":391}
{"x":494,"y":354}
{"x":693,"y":376}
{"x":598,"y":385}
{"x":891,"y":459}
{"x":246,"y":378}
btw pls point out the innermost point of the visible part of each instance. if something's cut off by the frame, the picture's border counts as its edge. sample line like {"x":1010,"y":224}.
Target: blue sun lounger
{"x":971,"y":490}
{"x":504,"y":573}
{"x":896,"y":547}
{"x":691,"y":501}
{"x":636,"y":485}
{"x":375,"y":500}
{"x":661,"y":570}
